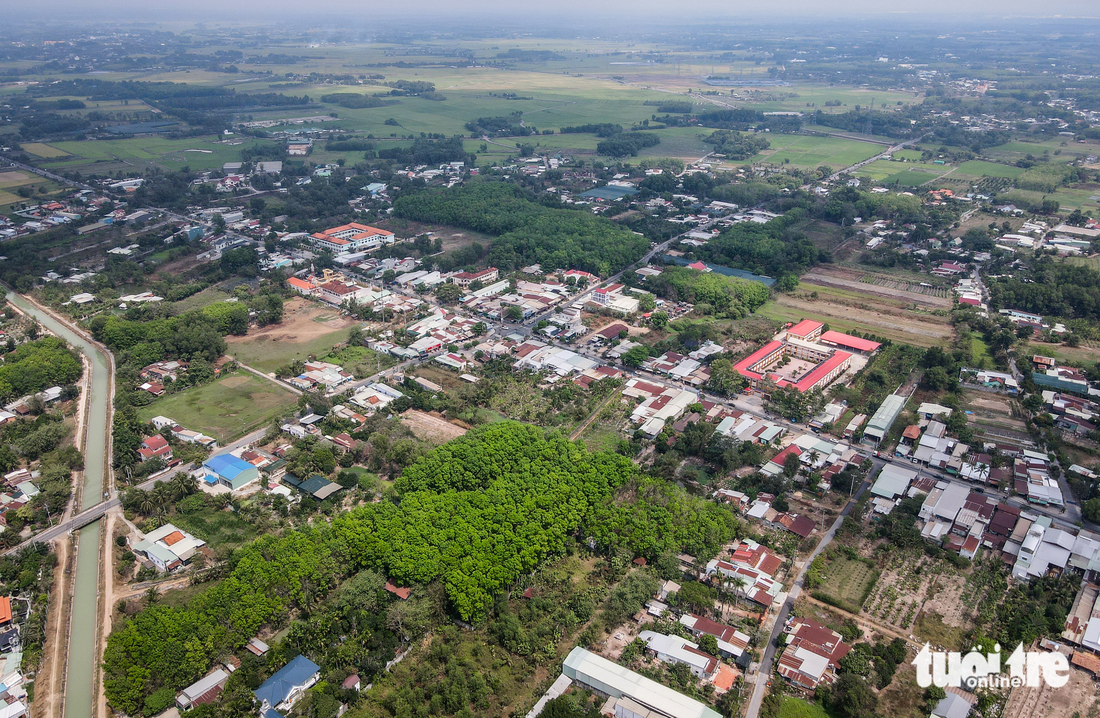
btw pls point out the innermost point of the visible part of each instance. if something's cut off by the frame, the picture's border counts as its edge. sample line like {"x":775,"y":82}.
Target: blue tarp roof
{"x":296,"y":673}
{"x":227,"y":466}
{"x":609,"y":192}
{"x":724,"y":271}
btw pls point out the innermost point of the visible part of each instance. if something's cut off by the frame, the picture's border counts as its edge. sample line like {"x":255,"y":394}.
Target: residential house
{"x":811,"y":655}
{"x":287,"y":685}
{"x":230,"y":471}
{"x":154,"y":447}
{"x":675,"y":650}
{"x":168,"y":547}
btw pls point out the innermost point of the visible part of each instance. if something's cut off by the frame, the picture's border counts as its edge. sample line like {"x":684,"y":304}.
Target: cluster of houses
{"x":689,"y":368}
{"x":13,"y":685}
{"x":179,"y":433}
{"x":321,"y":374}
{"x":1072,"y":413}
{"x":18,"y":490}
{"x":275,"y":697}
{"x":76,"y":208}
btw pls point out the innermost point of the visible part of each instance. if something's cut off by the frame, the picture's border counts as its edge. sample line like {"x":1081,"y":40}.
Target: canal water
{"x":79,"y":681}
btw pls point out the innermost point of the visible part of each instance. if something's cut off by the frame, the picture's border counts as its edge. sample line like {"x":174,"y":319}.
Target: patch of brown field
{"x":895,"y":324}
{"x":12,"y":176}
{"x":303,"y":321}
{"x":1077,"y":698}
{"x":231,"y":381}
{"x":429,"y":427}
{"x":848,"y":279}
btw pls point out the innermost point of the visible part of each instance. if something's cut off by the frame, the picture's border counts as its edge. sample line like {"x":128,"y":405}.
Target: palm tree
{"x":147,"y":505}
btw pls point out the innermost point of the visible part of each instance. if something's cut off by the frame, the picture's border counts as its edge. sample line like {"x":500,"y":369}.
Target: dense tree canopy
{"x":38,"y":365}
{"x":473,"y":515}
{"x":526,"y":231}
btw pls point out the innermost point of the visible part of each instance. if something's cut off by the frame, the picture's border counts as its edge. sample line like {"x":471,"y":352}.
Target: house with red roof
{"x":155,"y":447}
{"x":811,"y":655}
{"x":848,"y":342}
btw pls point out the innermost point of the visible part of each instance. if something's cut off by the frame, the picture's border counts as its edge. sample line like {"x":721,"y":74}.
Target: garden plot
{"x":912,"y":583}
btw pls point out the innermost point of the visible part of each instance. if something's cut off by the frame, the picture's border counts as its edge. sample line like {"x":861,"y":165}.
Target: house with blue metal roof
{"x":282,"y":690}
{"x":229,"y":471}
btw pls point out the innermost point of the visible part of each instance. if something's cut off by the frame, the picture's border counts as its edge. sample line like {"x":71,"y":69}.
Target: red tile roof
{"x":846,"y":340}
{"x":804,"y":328}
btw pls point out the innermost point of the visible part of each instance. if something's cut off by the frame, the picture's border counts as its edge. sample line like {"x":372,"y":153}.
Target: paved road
{"x":765,"y":670}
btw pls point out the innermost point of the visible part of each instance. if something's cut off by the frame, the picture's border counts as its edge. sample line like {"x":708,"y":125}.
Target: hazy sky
{"x":562,"y":11}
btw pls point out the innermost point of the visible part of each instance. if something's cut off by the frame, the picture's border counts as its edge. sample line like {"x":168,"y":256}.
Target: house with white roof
{"x":168,"y":547}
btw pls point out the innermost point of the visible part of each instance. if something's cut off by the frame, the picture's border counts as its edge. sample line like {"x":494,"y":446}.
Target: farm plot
{"x":911,"y":584}
{"x":308,"y":329}
{"x":843,"y":580}
{"x":995,"y":416}
{"x":895,"y":286}
{"x":43,"y":150}
{"x":865,"y":310}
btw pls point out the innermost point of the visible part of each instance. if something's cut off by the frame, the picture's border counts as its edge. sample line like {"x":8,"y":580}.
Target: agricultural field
{"x":226,"y":408}
{"x":12,"y":180}
{"x":849,"y":300}
{"x":814,"y":151}
{"x":846,"y":581}
{"x":981,"y":168}
{"x":139,"y":153}
{"x":308,"y":330}
{"x":995,"y":416}
{"x":913,"y":586}
{"x":43,"y":150}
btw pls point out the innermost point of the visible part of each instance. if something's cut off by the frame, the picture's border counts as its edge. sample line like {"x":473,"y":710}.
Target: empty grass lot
{"x":810,"y":151}
{"x":792,"y":707}
{"x":226,"y":408}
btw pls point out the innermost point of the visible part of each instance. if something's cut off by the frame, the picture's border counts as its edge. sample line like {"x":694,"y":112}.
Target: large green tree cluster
{"x":527,"y":232}
{"x":1050,"y":289}
{"x":473,"y":516}
{"x":189,"y":336}
{"x":37,"y":365}
{"x":773,"y":249}
{"x":727,"y":295}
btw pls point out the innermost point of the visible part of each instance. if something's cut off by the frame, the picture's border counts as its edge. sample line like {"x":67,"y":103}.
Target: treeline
{"x":351,"y":144}
{"x":1050,"y":289}
{"x":474,"y":515}
{"x":352,"y":100}
{"x":890,"y":124}
{"x":501,"y":125}
{"x":772,"y":249}
{"x":196,"y":105}
{"x":600,"y":129}
{"x":189,"y":336}
{"x":627,"y":144}
{"x":723,"y":295}
{"x":527,"y":232}
{"x":426,"y":151}
{"x":38,"y":365}
{"x":736,"y":146}
{"x":736,"y":119}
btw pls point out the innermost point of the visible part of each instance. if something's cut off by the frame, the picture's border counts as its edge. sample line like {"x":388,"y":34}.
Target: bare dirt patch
{"x":877,"y":286}
{"x":883,"y":320}
{"x":429,"y":427}
{"x":303,"y":321}
{"x":1078,"y":697}
{"x":6,"y":177}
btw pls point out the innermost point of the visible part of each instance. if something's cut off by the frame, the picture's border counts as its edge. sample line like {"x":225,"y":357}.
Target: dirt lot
{"x":303,"y":320}
{"x":1076,"y":698}
{"x":880,"y":286}
{"x":870,"y":313}
{"x":12,"y":177}
{"x":307,"y":328}
{"x":992,"y":414}
{"x":913,"y":584}
{"x":430,"y":427}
